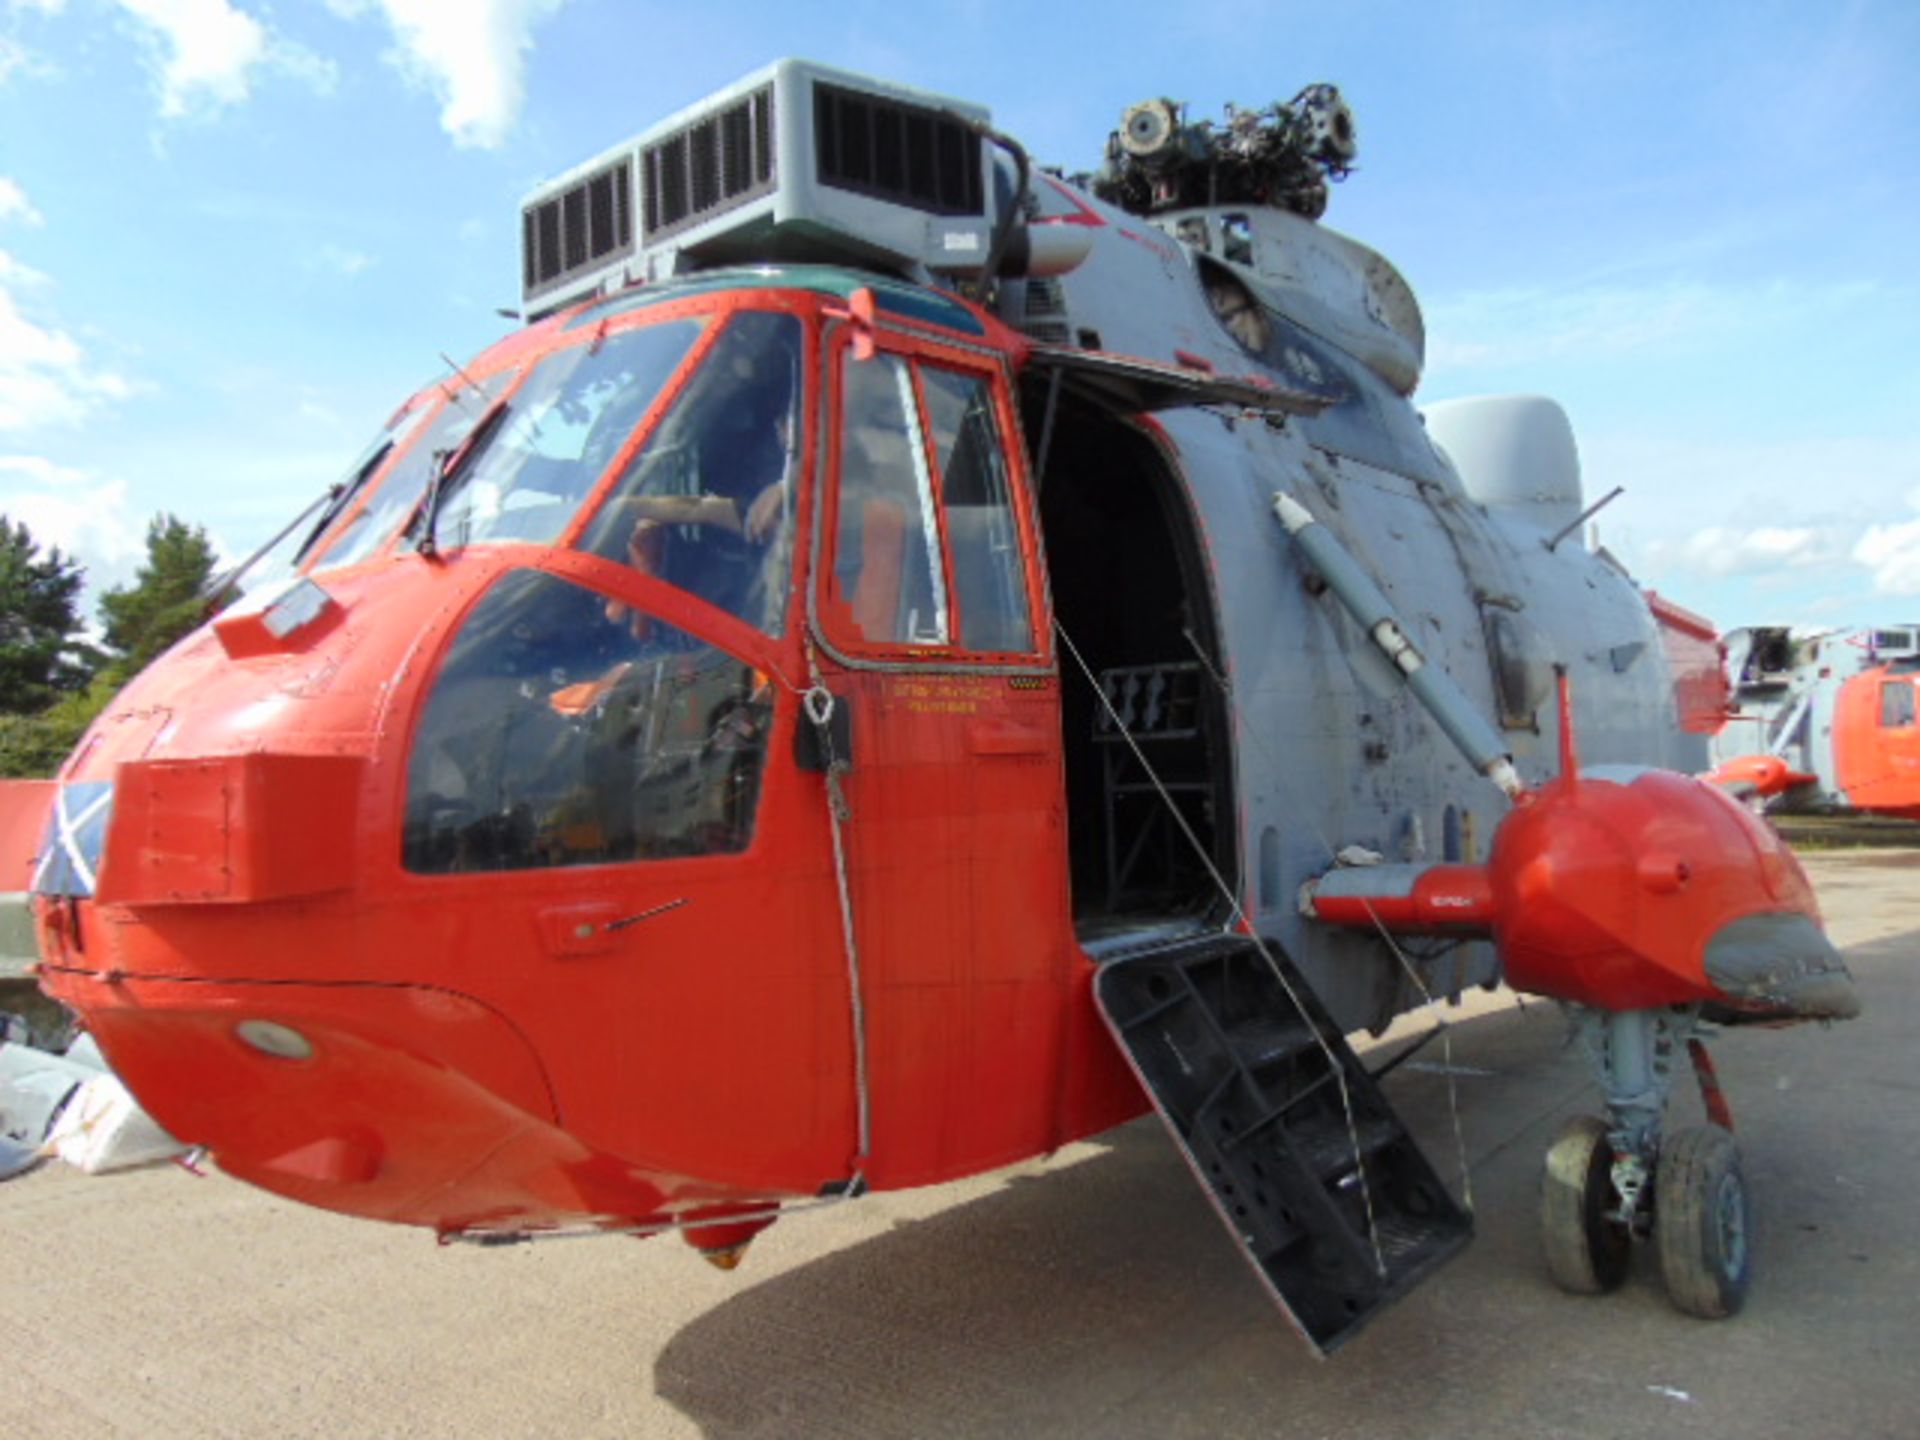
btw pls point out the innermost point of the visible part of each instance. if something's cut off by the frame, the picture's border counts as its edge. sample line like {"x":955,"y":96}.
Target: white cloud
{"x":88,"y":516}
{"x":46,"y":377}
{"x":1892,"y":553}
{"x":18,"y":60}
{"x":14,"y":204}
{"x":205,"y":51}
{"x":472,"y":57}
{"x":342,"y":261}
{"x":1760,"y":550}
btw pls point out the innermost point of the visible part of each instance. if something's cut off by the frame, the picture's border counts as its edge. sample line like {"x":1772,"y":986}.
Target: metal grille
{"x":581,"y":227}
{"x":713,"y":165}
{"x":903,"y":153}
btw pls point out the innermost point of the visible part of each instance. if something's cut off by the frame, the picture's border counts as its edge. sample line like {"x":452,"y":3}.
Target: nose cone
{"x":1779,"y":966}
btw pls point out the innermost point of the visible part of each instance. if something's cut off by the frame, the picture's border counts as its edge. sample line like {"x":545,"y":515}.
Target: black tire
{"x":1702,"y":1222}
{"x":1587,"y":1253}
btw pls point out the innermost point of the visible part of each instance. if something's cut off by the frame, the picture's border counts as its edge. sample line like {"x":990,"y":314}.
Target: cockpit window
{"x":888,"y":586}
{"x":1896,"y":703}
{"x":556,"y":736}
{"x":707,"y":504}
{"x":406,"y":479}
{"x":276,"y":561}
{"x":988,"y":581}
{"x":560,"y":432}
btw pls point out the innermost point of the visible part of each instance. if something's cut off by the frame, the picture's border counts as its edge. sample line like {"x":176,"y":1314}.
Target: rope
{"x":1237,"y":914}
{"x":818,"y":703}
{"x":1428,"y":1000}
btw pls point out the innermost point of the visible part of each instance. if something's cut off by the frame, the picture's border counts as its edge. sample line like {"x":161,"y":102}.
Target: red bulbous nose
{"x":1623,"y":889}
{"x":1626,"y":889}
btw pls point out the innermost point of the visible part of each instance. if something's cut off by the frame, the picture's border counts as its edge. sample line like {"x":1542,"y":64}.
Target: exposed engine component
{"x":1283,"y":155}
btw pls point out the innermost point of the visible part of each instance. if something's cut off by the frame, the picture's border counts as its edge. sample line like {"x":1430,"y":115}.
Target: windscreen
{"x":365,"y":530}
{"x":707,"y":504}
{"x":559,"y":433}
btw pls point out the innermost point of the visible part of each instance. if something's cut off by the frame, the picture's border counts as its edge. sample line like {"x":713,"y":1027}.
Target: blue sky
{"x":234,"y":234}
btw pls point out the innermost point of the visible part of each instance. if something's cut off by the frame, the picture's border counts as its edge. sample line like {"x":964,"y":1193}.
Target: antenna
{"x":1569,"y":752}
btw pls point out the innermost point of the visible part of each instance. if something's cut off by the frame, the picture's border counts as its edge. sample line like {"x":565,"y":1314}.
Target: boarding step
{"x":1333,"y":1203}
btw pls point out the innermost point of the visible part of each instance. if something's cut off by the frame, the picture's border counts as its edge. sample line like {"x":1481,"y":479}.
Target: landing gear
{"x":1587,"y":1250}
{"x":1702,"y":1225}
{"x":1609,"y":1182}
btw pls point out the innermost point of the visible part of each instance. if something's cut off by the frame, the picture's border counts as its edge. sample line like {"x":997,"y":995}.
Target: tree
{"x":41,"y":654}
{"x":166,"y":598}
{"x":54,"y":704}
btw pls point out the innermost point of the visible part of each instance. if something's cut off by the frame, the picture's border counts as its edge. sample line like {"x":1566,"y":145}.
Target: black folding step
{"x":1332,"y":1201}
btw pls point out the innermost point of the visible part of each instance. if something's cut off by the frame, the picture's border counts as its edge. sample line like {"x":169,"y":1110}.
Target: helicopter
{"x":903,"y":660}
{"x":1823,"y":720}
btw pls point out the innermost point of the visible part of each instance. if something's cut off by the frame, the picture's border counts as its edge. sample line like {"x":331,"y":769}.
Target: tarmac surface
{"x":1094,"y":1294}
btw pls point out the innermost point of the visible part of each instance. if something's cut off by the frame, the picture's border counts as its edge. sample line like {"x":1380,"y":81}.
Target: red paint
{"x":1081,"y":213}
{"x":1701,"y":693}
{"x":1877,"y":765}
{"x":23,"y":819}
{"x":1603,"y":892}
{"x":1444,"y":899}
{"x":1768,"y":775}
{"x":1608,"y":893}
{"x":495,"y":1049}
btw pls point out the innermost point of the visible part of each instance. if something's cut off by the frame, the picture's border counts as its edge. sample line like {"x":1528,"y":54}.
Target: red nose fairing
{"x":343,"y":885}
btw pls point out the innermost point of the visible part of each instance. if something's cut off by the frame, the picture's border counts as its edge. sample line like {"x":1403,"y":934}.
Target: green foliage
{"x":164,"y":602}
{"x":52,"y":683}
{"x":41,"y":654}
{"x":32,"y":746}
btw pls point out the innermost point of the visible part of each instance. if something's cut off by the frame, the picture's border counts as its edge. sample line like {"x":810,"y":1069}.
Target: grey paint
{"x":1314,"y":703}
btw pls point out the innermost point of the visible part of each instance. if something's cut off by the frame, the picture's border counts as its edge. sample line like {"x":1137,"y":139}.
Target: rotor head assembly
{"x":1283,"y":155}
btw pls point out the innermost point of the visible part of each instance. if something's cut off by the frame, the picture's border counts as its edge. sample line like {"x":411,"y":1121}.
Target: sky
{"x":235,"y":234}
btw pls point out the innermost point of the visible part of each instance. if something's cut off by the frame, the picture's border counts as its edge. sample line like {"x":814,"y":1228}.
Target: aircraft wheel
{"x":1702,"y":1222}
{"x":1587,"y":1253}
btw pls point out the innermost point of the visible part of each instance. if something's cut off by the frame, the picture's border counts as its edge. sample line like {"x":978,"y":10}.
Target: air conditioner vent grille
{"x":890,"y":150}
{"x":578,"y":229}
{"x":718,"y":162}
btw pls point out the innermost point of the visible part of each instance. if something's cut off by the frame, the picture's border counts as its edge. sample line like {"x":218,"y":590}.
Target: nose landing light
{"x":269,"y":1037}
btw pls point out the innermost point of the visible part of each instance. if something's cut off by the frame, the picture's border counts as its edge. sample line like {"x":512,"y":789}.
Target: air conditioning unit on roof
{"x":796,"y":163}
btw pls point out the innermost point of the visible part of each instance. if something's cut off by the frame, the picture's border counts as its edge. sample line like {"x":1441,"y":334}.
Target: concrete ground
{"x":1092,"y":1295}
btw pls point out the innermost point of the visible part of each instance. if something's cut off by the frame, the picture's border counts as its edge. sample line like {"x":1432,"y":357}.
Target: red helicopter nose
{"x":1626,"y":889}
{"x":225,"y":900}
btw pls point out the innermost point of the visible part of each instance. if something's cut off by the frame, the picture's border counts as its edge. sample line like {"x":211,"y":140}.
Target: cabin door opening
{"x":1129,"y":592}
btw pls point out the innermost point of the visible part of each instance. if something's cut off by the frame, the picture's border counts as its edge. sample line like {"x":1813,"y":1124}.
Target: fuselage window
{"x":1896,"y":703}
{"x":1236,"y":239}
{"x":988,"y":580}
{"x":707,"y":504}
{"x":887,"y":582}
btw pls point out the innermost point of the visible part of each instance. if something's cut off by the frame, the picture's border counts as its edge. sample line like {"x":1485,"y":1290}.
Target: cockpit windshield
{"x":707,"y":504}
{"x":559,"y":433}
{"x":369,"y":527}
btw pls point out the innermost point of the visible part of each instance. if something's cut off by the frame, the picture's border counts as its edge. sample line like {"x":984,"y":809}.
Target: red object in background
{"x":1876,"y":742}
{"x":1765,"y":775}
{"x":1701,"y":693}
{"x":24,"y":806}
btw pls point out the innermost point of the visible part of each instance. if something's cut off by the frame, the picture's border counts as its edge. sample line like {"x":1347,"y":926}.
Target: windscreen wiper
{"x":452,"y":468}
{"x":342,"y":495}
